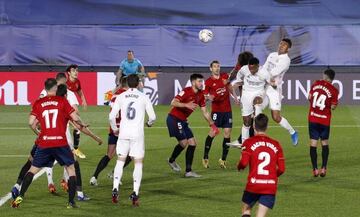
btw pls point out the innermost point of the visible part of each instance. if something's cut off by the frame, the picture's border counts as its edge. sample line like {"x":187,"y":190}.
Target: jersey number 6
{"x":130,"y":112}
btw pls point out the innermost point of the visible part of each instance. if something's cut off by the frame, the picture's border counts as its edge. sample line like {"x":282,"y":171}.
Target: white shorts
{"x":274,"y":97}
{"x":133,"y":147}
{"x":247,"y":101}
{"x":69,"y":138}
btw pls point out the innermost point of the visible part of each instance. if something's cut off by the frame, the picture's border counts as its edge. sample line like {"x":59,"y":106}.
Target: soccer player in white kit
{"x":133,"y":104}
{"x":277,"y":63}
{"x":253,"y":80}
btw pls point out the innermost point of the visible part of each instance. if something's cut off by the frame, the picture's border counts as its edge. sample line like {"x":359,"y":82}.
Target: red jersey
{"x":53,"y":114}
{"x":267,"y":162}
{"x":219,"y":88}
{"x":118,"y":117}
{"x":74,"y":86}
{"x":322,"y":96}
{"x":185,"y":96}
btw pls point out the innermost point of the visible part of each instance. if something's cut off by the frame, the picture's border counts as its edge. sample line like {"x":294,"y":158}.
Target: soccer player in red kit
{"x":266,"y":159}
{"x":217,"y":91}
{"x":73,"y":84}
{"x":53,"y":113}
{"x":182,"y":106}
{"x":323,"y":97}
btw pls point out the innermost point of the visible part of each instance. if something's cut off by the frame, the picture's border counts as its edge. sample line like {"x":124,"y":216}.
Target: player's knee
{"x":276,"y":117}
{"x":227,"y":132}
{"x":257,"y":100}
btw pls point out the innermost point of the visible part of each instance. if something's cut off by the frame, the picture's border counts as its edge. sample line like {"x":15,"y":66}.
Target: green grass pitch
{"x":217,"y":193}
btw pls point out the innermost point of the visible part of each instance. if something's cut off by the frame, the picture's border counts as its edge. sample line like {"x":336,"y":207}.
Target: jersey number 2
{"x":265,"y":158}
{"x":318,"y":101}
{"x":46,"y":115}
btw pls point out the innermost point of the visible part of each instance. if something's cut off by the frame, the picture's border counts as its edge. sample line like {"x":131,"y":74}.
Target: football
{"x":206,"y":35}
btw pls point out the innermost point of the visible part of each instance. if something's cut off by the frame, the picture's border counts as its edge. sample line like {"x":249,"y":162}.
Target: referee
{"x":128,"y":66}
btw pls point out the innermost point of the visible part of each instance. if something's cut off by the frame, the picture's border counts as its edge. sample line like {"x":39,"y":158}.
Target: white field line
{"x":194,"y":127}
{"x":7,"y":197}
{"x":12,"y":155}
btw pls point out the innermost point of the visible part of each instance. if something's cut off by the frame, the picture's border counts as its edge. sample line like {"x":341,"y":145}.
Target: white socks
{"x":137,"y":176}
{"x":80,"y":194}
{"x":258,"y":109}
{"x":118,"y":171}
{"x":245,"y":133}
{"x":285,"y":124}
{"x":49,"y":175}
{"x":66,"y":175}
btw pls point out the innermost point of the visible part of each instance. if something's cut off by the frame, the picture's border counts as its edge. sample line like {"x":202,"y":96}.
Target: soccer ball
{"x":205,"y":35}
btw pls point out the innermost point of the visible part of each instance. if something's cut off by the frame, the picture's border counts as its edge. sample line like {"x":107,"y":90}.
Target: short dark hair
{"x":261,"y":122}
{"x":72,"y":66}
{"x":131,"y":51}
{"x":244,"y":57}
{"x":214,"y":62}
{"x":123,"y":81}
{"x":287,"y":40}
{"x":330,"y":73}
{"x":196,"y":76}
{"x":61,"y":90}
{"x":133,"y":81}
{"x":50,"y":83}
{"x":254,"y":61}
{"x":60,"y":75}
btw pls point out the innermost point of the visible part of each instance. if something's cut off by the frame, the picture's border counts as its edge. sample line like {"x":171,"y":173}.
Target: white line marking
{"x":12,"y":155}
{"x":7,"y":197}
{"x":193,"y":127}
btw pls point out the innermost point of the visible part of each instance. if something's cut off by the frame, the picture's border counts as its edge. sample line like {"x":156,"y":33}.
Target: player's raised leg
{"x":276,"y":116}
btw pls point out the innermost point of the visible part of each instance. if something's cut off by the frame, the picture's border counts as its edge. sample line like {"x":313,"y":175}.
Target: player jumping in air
{"x":133,"y":104}
{"x":182,"y":106}
{"x":112,"y":139}
{"x":253,"y":80}
{"x":217,"y":91}
{"x":267,"y":163}
{"x":323,"y":97}
{"x":277,"y":64}
{"x":73,"y":84}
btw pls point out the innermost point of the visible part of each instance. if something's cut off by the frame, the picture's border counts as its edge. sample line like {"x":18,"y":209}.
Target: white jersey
{"x":276,"y":65}
{"x":133,"y":105}
{"x":251,"y":83}
{"x":71,"y":97}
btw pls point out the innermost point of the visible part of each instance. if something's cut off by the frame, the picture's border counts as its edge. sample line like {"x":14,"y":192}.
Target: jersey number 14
{"x":318,"y":101}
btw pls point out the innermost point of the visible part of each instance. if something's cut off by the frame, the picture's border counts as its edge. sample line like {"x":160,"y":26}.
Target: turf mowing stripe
{"x":7,"y":197}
